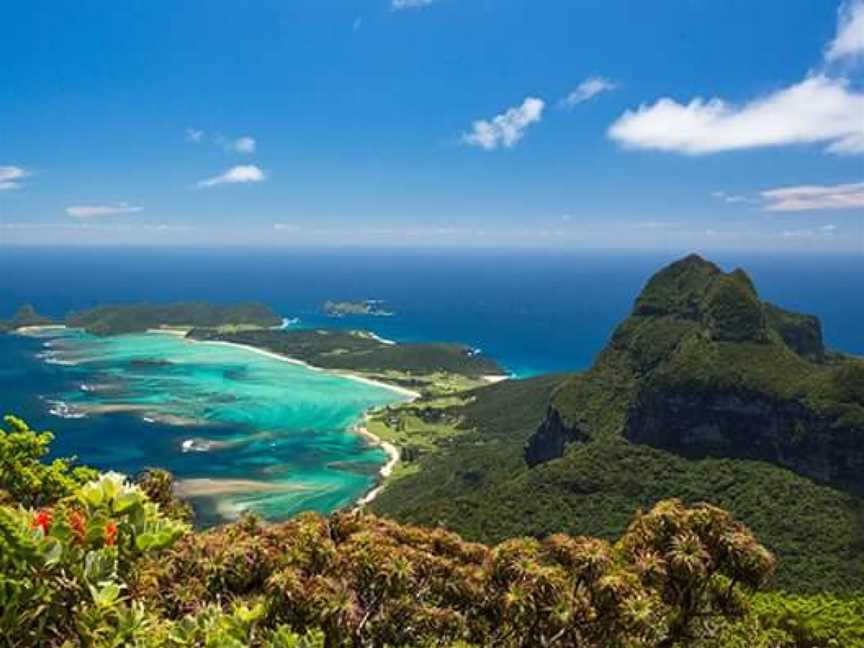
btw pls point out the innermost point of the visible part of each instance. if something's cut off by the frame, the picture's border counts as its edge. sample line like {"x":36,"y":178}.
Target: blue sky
{"x":606,"y":123}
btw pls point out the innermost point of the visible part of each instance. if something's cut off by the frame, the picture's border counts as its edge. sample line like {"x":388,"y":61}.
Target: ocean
{"x":262,"y":420}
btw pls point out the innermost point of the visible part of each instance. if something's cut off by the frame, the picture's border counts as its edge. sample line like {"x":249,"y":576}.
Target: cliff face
{"x":750,"y":425}
{"x":702,"y":367}
{"x":551,"y":438}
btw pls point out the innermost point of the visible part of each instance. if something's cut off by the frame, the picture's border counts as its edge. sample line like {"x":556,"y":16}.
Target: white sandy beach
{"x":495,"y":378}
{"x":29,"y":330}
{"x":198,"y":487}
{"x":386,"y":470}
{"x":179,"y":332}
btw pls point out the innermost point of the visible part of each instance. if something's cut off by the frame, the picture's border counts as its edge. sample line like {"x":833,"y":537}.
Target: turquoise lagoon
{"x":240,"y":429}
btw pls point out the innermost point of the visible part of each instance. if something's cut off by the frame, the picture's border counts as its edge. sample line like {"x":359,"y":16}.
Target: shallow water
{"x":247,"y":431}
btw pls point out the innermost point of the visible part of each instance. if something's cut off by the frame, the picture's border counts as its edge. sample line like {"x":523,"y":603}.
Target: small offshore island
{"x":368,"y":307}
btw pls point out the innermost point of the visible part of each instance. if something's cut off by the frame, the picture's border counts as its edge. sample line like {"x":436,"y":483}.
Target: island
{"x":369,"y":307}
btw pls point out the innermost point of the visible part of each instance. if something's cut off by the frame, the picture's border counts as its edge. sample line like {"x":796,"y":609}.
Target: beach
{"x":386,"y":470}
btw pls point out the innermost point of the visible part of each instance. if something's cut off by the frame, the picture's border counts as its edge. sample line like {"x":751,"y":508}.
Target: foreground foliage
{"x":105,"y":562}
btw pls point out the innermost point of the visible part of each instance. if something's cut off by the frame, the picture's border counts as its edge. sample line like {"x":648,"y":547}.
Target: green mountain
{"x":703,"y":393}
{"x":703,"y":368}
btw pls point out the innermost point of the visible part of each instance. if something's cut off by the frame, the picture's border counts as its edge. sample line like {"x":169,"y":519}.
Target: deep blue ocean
{"x":534,"y":311}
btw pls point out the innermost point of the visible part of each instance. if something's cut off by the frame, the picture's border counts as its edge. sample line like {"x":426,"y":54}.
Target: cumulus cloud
{"x":11,"y":176}
{"x":507,"y":128}
{"x":813,"y":197}
{"x":849,"y":41}
{"x":194,"y":135}
{"x":589,"y":88}
{"x":818,"y":109}
{"x":235,"y":175}
{"x":397,"y":5}
{"x":91,"y":211}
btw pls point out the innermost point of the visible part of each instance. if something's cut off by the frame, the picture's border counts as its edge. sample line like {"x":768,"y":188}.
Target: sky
{"x":698,"y":124}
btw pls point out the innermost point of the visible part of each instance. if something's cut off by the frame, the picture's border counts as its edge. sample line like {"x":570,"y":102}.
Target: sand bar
{"x":206,"y":487}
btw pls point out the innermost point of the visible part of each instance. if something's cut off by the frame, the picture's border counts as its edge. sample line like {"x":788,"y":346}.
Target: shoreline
{"x":25,"y":330}
{"x":386,"y":470}
{"x":411,"y":394}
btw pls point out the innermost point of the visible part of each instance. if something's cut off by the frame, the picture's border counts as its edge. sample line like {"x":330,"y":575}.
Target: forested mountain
{"x":704,"y":393}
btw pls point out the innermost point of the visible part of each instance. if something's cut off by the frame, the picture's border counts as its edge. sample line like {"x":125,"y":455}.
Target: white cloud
{"x":507,"y":128}
{"x":824,"y":232}
{"x":813,"y":197}
{"x":244,"y":145}
{"x":285,"y":227}
{"x":98,"y":227}
{"x":235,"y":175}
{"x":91,"y":211}
{"x":849,"y":41}
{"x":194,"y":135}
{"x":10,"y":177}
{"x":397,"y":5}
{"x":590,"y":87}
{"x":729,"y":198}
{"x":818,"y":109}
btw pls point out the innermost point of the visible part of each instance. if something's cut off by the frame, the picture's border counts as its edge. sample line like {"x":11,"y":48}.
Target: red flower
{"x":78,"y":524}
{"x":110,"y":533}
{"x":42,"y":520}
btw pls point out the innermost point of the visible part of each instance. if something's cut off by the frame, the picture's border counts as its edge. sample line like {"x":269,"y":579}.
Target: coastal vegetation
{"x":432,"y":367}
{"x":116,"y":319}
{"x":98,"y":560}
{"x":137,"y":318}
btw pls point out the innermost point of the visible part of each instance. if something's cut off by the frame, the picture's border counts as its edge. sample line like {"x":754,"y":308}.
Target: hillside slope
{"x":704,"y":393}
